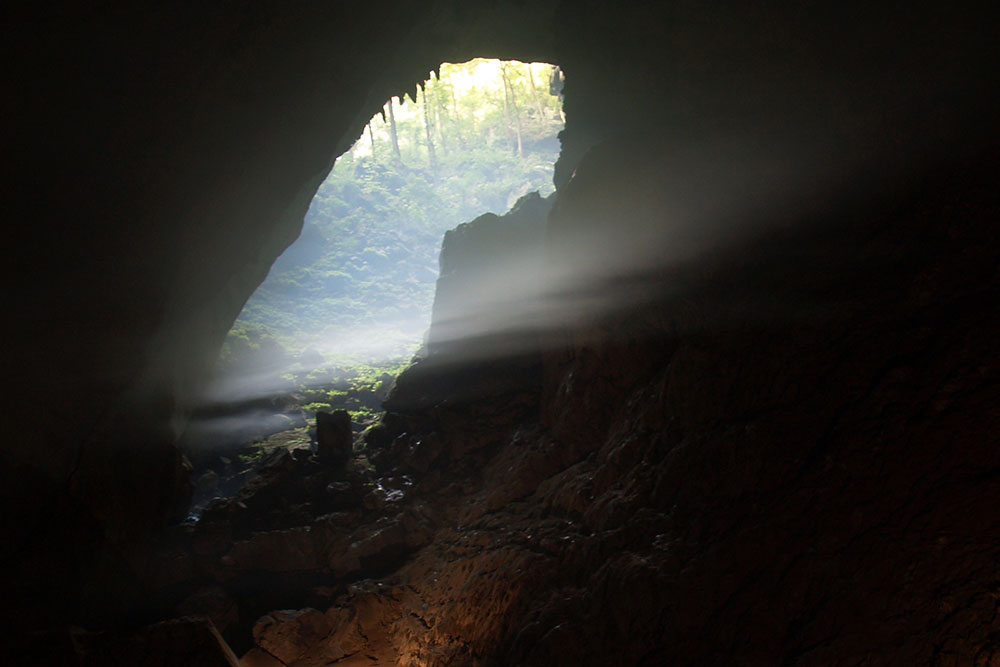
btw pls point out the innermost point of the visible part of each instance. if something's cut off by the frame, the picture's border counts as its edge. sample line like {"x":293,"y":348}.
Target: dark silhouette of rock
{"x":483,"y":309}
{"x":732,"y":423}
{"x":764,"y":431}
{"x":183,"y":641}
{"x":334,"y":440}
{"x":211,"y":602}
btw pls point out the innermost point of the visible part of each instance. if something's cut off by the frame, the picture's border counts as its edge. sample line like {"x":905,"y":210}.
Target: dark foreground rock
{"x":762,"y":432}
{"x":791,"y":449}
{"x":793,"y":445}
{"x":334,"y":439}
{"x":188,"y":641}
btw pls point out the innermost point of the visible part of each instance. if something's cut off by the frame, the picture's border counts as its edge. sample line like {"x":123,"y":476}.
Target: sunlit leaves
{"x":379,"y":220}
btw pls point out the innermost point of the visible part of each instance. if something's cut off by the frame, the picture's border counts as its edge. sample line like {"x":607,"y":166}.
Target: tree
{"x":504,"y":67}
{"x":431,"y":156}
{"x":392,"y":132}
{"x":458,"y":125}
{"x":440,"y":113}
{"x":365,"y":266}
{"x":534,"y":94}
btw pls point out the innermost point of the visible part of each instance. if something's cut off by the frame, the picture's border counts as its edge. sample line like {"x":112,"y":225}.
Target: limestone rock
{"x":773,"y":402}
{"x":334,"y":439}
{"x":304,"y":638}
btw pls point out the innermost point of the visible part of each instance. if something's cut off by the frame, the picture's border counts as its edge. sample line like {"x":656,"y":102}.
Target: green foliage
{"x":255,"y":456}
{"x":361,"y":414}
{"x":349,"y":302}
{"x":251,"y":347}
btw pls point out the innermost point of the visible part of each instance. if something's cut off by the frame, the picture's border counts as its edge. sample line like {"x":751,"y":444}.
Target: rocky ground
{"x":229,"y":443}
{"x":789,"y":459}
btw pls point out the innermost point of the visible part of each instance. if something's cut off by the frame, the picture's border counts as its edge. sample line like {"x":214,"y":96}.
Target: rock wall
{"x":784,"y":454}
{"x":769,"y":435}
{"x":489,"y":291}
{"x":161,"y":158}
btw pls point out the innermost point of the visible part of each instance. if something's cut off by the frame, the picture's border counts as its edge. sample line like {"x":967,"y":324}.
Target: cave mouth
{"x":347,"y":306}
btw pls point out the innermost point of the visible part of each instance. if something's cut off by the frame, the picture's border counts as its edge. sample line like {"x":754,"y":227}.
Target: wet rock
{"x":421,"y":452}
{"x":343,"y":495}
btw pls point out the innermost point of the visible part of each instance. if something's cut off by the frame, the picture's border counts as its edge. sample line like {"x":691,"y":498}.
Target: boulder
{"x":333,"y":437}
{"x":300,"y":637}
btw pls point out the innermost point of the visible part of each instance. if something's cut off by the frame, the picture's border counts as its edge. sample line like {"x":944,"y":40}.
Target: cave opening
{"x":348,"y":305}
{"x":790,"y":457}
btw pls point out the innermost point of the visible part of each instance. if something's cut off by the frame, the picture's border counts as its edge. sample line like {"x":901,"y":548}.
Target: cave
{"x":756,"y":424}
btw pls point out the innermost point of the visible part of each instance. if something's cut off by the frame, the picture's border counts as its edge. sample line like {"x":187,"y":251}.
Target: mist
{"x":352,"y":297}
{"x":695,"y":214}
{"x":693,"y":202}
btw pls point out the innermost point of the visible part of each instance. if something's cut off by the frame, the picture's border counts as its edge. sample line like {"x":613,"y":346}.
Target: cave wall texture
{"x":781,"y":448}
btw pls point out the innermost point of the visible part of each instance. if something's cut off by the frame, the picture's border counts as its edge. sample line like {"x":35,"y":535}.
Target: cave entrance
{"x":346,"y":307}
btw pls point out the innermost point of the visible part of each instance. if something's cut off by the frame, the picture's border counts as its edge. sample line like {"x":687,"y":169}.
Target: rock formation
{"x":489,"y":293}
{"x":334,"y":440}
{"x":759,"y":427}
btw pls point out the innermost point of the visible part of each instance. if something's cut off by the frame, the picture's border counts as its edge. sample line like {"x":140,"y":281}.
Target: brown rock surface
{"x":763,"y":431}
{"x":780,"y":483}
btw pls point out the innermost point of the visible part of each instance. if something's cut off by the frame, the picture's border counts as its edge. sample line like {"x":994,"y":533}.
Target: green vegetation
{"x":359,"y":282}
{"x":346,"y":306}
{"x":255,"y":452}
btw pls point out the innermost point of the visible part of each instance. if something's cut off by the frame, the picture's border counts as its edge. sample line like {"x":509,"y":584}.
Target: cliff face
{"x":759,"y":427}
{"x":490,"y":289}
{"x":162,"y":158}
{"x":784,"y":453}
